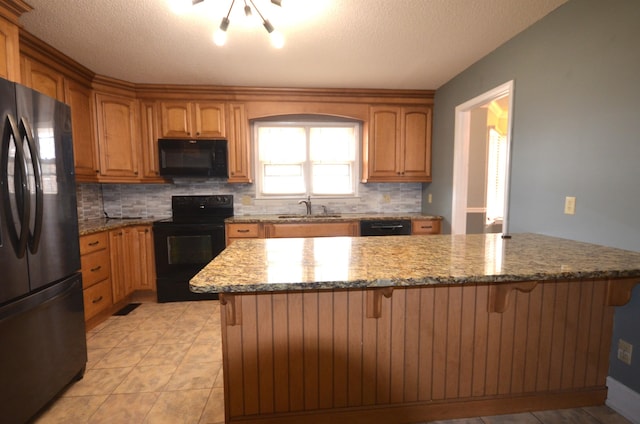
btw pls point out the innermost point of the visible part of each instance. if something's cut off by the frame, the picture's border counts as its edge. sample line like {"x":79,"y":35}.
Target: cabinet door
{"x":43,"y":79}
{"x":78,"y":97}
{"x":416,"y":143}
{"x":384,"y":141}
{"x":9,"y":51}
{"x":176,"y":118}
{"x":119,"y":265}
{"x":141,"y":257}
{"x":399,"y":147}
{"x":239,"y":149}
{"x":118,"y":137}
{"x":149,"y":127}
{"x":209,"y":120}
{"x":325,"y":229}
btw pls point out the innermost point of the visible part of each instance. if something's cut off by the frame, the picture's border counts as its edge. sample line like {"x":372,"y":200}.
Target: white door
{"x":481,"y":163}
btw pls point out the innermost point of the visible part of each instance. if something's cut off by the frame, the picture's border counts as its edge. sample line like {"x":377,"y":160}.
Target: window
{"x":496,"y":176}
{"x":306,"y":158}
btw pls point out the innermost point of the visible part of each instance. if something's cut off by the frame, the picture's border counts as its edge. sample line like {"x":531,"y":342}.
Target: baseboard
{"x":623,"y":400}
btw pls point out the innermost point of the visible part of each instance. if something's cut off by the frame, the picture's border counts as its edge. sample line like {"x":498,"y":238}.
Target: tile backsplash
{"x":154,"y":200}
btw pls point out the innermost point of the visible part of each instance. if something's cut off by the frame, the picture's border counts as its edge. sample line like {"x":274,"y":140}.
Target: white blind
{"x":496,"y":175}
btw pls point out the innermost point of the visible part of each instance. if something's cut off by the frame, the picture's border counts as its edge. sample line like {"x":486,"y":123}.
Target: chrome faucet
{"x":307,"y":204}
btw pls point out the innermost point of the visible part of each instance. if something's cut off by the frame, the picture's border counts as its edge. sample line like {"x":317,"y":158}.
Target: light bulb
{"x":277,"y":39}
{"x":220,"y":37}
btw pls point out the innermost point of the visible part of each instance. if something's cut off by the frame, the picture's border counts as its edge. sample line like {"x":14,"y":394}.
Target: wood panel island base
{"x":414,"y":329}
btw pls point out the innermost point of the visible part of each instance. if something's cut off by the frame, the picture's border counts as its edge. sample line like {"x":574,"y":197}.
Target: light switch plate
{"x":570,"y":205}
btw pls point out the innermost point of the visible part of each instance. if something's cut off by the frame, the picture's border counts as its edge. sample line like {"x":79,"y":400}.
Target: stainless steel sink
{"x":301,"y":216}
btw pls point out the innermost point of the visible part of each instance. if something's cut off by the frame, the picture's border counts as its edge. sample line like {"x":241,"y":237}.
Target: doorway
{"x":482,"y":162}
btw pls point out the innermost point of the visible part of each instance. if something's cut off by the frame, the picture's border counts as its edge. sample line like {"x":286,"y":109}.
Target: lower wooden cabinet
{"x":96,"y":273}
{"x":97,"y":298}
{"x":425,"y":226}
{"x":114,"y":264}
{"x":132,"y":260}
{"x":324,"y":229}
{"x":243,"y":230}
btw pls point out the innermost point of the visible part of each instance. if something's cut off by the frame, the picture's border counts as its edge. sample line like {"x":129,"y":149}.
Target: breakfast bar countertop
{"x":271,"y":265}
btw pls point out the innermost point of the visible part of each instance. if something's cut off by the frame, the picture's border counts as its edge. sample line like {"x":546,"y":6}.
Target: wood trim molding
{"x":233,"y":308}
{"x":13,"y":9}
{"x":35,"y":48}
{"x":619,"y":291}
{"x":499,"y":294}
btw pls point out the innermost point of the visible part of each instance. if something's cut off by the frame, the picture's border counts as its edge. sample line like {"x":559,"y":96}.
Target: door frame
{"x":461,"y":156}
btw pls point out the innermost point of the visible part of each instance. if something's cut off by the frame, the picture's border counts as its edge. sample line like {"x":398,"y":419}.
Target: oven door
{"x":181,"y":251}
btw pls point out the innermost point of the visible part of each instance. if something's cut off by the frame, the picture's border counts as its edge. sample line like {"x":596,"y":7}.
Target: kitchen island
{"x":412,"y":329}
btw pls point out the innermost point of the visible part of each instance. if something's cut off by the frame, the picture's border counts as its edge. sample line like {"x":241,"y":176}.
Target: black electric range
{"x":188,"y":241}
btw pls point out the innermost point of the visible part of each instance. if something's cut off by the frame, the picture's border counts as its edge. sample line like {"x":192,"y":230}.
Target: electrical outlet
{"x":625,"y":349}
{"x":246,"y":200}
{"x":429,"y":198}
{"x":386,"y":198}
{"x":570,"y":205}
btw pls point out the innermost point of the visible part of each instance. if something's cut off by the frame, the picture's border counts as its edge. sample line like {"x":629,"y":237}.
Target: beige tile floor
{"x":162,"y":363}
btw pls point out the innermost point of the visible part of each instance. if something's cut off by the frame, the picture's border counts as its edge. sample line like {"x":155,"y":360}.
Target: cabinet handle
{"x":427,"y":227}
{"x":96,"y":268}
{"x":94,"y":301}
{"x":94,"y":243}
{"x":242,"y":231}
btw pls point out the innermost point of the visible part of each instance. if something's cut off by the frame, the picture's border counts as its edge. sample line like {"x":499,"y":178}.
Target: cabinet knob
{"x":96,"y":300}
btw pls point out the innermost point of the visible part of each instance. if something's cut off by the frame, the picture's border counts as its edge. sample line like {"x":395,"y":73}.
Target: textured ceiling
{"x":394,"y":44}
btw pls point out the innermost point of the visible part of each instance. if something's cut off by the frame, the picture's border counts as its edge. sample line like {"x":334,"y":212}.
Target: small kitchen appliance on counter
{"x":187,"y":241}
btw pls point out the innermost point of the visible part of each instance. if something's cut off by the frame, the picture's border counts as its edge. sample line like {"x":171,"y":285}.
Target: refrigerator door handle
{"x":27,"y":132}
{"x":19,"y":240}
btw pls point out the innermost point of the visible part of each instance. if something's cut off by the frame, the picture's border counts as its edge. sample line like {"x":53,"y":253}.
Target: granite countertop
{"x":330,"y":217}
{"x":254,"y":265}
{"x":91,"y":226}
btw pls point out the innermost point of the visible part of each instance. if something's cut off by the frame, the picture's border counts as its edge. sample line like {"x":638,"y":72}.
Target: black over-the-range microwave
{"x":193,"y":158}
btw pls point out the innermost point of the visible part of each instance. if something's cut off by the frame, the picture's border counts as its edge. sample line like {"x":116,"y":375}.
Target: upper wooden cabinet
{"x":182,"y":119}
{"x":10,"y":12}
{"x":118,"y":136}
{"x":239,"y":144}
{"x":149,"y":126}
{"x":85,"y":151}
{"x":43,"y":78}
{"x":399,"y":147}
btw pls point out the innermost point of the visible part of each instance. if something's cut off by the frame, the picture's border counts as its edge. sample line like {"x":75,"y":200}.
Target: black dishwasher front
{"x":399,"y":227}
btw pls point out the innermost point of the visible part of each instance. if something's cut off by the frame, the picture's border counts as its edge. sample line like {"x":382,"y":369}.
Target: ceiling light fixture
{"x":220,"y":35}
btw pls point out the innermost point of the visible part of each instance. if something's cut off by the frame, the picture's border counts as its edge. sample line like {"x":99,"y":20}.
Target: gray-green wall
{"x":576,"y":132}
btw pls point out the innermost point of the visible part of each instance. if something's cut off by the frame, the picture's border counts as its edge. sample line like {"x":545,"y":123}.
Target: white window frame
{"x":307,"y":124}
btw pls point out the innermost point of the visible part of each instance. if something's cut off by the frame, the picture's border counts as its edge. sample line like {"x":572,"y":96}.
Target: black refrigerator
{"x":42,"y":333}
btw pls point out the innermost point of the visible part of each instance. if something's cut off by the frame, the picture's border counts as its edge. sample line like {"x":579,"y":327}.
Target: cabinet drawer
{"x":242,"y":230}
{"x":93,"y":242}
{"x":97,"y":298}
{"x":425,"y":226}
{"x":95,"y":267}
